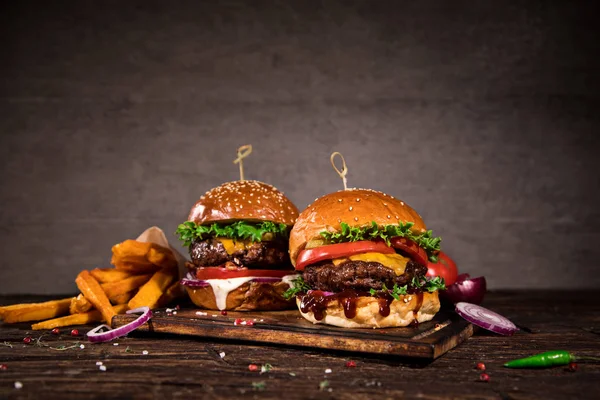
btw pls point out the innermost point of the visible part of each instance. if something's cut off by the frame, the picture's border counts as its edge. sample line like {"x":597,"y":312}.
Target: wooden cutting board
{"x":427,"y":340}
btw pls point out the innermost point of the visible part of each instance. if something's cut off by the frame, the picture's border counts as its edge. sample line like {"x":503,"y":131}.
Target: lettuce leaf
{"x":190,"y":231}
{"x":425,"y":240}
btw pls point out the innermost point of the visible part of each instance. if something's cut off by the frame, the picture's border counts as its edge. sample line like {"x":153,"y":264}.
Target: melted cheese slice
{"x":232,"y":246}
{"x":395,"y":262}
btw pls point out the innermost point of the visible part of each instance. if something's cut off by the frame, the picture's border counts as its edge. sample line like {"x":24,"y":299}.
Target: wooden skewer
{"x":242,"y":152}
{"x":342,"y":173}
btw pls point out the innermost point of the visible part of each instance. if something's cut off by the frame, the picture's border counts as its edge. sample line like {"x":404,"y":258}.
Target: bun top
{"x":355,"y":207}
{"x":244,"y":200}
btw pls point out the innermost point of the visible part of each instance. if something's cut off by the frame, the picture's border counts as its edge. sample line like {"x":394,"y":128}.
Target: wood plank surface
{"x":426,"y":340}
{"x":185,"y":367}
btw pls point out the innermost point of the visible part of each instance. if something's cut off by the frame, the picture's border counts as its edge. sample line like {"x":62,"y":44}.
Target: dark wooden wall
{"x":483,"y":116}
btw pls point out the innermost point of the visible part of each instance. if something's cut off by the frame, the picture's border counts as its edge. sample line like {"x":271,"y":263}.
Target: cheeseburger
{"x":363,"y":257}
{"x":237,"y":235}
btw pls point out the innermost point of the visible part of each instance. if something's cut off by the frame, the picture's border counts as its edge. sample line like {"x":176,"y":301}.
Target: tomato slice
{"x":339,"y":250}
{"x":445,"y":267}
{"x":224,"y":273}
{"x":412,"y":249}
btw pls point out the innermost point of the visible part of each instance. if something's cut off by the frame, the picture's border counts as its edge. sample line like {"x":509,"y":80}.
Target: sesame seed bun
{"x":355,"y":207}
{"x":403,"y":312}
{"x":244,"y":200}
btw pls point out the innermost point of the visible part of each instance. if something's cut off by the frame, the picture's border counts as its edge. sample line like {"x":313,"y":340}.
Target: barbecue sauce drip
{"x":417,"y":307}
{"x":316,"y":302}
{"x":384,"y":301}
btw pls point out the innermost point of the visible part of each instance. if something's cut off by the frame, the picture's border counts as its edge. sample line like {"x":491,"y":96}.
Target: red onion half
{"x":466,"y":289}
{"x":98,"y":334}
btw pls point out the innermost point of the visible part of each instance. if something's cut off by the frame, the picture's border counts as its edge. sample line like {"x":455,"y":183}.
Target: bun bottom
{"x":367,"y":312}
{"x":250,"y":296}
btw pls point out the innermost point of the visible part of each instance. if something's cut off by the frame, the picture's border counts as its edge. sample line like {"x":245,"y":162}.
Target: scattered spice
{"x":223,"y":312}
{"x":323,"y":384}
{"x":350,"y":364}
{"x":572,"y":367}
{"x":480,"y":366}
{"x":75,"y":332}
{"x":252,"y":367}
{"x":55,"y":331}
{"x":63,"y":347}
{"x":265,"y":368}
{"x":177,"y":307}
{"x":484,"y":377}
{"x":259,"y":385}
{"x":128,"y":350}
{"x":7,"y":344}
{"x":250,"y":323}
{"x":3,"y":367}
{"x":27,"y":339}
{"x":237,"y":321}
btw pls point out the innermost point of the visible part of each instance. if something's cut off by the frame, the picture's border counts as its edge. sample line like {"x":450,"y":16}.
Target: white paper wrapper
{"x":156,"y":235}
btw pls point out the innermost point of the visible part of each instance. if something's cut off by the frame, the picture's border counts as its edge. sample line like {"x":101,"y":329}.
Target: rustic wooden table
{"x":142,"y":366}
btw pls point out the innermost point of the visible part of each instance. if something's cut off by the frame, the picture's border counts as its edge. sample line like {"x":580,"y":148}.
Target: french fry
{"x":91,"y":289}
{"x":174,"y":292}
{"x":113,"y":289}
{"x":106,"y":275}
{"x":80,"y":304}
{"x":77,"y":319}
{"x":34,"y":311}
{"x":132,"y":251}
{"x":150,"y":293}
{"x":135,"y":268}
{"x":122,"y":298}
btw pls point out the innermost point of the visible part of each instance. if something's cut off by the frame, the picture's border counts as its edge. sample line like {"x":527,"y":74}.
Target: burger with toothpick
{"x":237,"y":235}
{"x":363,"y":257}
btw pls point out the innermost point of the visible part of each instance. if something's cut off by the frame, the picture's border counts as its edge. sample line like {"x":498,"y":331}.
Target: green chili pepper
{"x":547,"y":359}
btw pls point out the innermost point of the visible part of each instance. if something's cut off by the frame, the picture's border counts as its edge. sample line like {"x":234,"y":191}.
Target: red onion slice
{"x":202,"y":283}
{"x":193,"y":282}
{"x":324,"y":294}
{"x":99,"y":335}
{"x":266,"y":279}
{"x":486,"y":319}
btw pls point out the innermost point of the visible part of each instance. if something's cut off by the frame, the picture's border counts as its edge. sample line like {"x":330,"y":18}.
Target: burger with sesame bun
{"x":237,"y":235}
{"x":363,"y":256}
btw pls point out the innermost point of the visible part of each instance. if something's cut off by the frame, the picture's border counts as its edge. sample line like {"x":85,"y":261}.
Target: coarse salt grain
{"x":201,"y":313}
{"x":145,"y":352}
{"x":82,"y":346}
{"x":102,"y":368}
{"x":328,"y":371}
{"x":222,"y":354}
{"x":98,"y":363}
{"x":18,"y":385}
{"x":115,"y":344}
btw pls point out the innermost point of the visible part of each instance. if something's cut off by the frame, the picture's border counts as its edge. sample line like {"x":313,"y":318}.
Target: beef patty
{"x":210,"y":253}
{"x":358,"y":275}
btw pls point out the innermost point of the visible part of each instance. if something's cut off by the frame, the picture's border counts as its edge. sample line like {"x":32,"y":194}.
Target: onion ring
{"x":97,"y":334}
